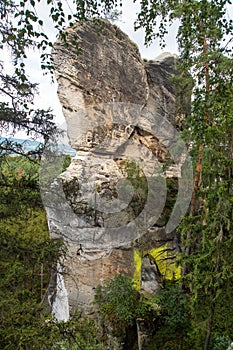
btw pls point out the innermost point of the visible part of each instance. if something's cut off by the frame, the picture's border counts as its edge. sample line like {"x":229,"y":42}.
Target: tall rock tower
{"x":118,"y":203}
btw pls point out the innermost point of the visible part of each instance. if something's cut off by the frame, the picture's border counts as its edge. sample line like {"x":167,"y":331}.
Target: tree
{"x":21,"y":30}
{"x":27,"y":256}
{"x":205,"y":44}
{"x":17,"y":92}
{"x":121,"y":307}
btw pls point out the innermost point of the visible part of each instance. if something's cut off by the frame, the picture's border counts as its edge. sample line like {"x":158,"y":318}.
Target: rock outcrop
{"x":115,"y":204}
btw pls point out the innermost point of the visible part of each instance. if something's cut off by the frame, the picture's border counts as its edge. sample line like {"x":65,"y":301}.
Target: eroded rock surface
{"x":111,"y":199}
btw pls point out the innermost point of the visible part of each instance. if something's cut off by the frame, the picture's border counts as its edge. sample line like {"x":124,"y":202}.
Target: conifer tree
{"x":205,"y":42}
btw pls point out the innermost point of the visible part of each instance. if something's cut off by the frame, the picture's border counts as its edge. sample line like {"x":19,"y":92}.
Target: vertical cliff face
{"x":113,"y":204}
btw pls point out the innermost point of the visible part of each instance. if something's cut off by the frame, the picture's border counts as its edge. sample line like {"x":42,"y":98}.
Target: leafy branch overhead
{"x":22,"y":30}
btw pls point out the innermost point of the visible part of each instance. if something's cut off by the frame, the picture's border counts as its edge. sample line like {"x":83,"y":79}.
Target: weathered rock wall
{"x":115,"y":106}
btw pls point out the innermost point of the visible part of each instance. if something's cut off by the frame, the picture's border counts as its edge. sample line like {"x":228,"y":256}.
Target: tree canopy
{"x":205,"y":37}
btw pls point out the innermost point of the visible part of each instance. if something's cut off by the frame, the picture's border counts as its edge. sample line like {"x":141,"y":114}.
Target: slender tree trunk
{"x":206,"y":117}
{"x":198,"y":169}
{"x":41,"y":280}
{"x":209,"y":328}
{"x":193,"y":207}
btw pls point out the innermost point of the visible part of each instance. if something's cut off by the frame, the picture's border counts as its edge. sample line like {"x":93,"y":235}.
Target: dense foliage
{"x":27,"y":254}
{"x":120,"y":307}
{"x":121,"y":304}
{"x":27,"y":257}
{"x":205,"y":42}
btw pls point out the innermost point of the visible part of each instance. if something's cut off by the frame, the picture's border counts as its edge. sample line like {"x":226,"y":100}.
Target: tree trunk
{"x":209,"y":329}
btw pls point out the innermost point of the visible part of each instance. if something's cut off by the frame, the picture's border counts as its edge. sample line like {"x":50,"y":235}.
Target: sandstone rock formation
{"x":112,"y":205}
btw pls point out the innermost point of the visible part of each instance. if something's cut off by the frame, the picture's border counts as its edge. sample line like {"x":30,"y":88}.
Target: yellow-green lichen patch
{"x":137,"y":265}
{"x":166,"y":266}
